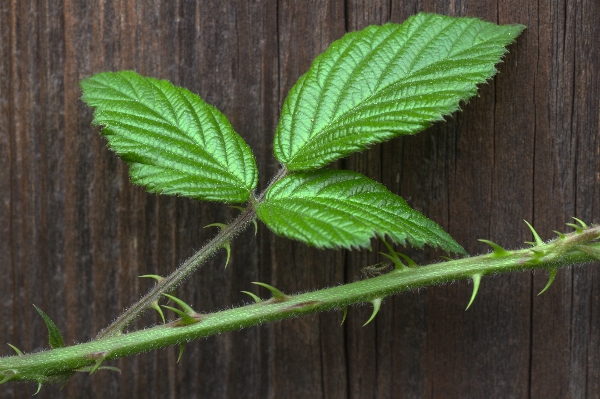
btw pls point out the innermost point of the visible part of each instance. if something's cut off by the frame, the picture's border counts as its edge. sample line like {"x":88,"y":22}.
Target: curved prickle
{"x":255,"y":297}
{"x":551,"y":278}
{"x":181,"y":347}
{"x":376,"y":305}
{"x":277,"y":295}
{"x":19,"y":353}
{"x":538,"y":240}
{"x":497,"y":249}
{"x":344,"y":315}
{"x":476,"y":280}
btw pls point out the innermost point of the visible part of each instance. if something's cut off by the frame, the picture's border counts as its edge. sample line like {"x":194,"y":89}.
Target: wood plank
{"x":75,"y":234}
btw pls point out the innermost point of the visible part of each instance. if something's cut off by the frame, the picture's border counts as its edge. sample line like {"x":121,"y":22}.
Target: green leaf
{"x":55,"y":338}
{"x":338,"y":208}
{"x":386,"y":81}
{"x":173,"y":141}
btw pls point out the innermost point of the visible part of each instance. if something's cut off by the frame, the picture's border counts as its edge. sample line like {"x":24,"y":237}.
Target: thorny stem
{"x":59,"y":364}
{"x":189,"y":266}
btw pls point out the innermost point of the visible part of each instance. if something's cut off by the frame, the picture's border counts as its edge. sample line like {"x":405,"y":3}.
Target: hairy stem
{"x":59,"y":364}
{"x":168,"y":283}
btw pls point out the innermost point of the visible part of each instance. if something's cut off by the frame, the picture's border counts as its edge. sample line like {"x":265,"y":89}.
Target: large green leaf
{"x":386,"y":81}
{"x":173,"y":141}
{"x":335,"y":208}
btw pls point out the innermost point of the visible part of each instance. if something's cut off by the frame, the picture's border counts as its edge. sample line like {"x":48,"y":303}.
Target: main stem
{"x":168,"y":283}
{"x":59,"y":364}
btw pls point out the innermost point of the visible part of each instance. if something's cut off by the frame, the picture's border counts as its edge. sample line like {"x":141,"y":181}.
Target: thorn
{"x":446,"y":258}
{"x":186,"y":308}
{"x":55,"y":338}
{"x":530,"y":243}
{"x":476,"y":280}
{"x":537,"y":238}
{"x":185,"y":318}
{"x":580,"y":222}
{"x":577,"y":228}
{"x":344,"y":316}
{"x":38,"y":389}
{"x":16,"y":349}
{"x":376,"y":305}
{"x":188,"y":315}
{"x":157,"y":307}
{"x":8,"y":375}
{"x":97,"y":365}
{"x":239,"y":208}
{"x":154,"y":276}
{"x":227,"y":247}
{"x":393,"y":256}
{"x":411,"y":263}
{"x":255,"y":297}
{"x":551,"y":278}
{"x":255,"y":227}
{"x":219,"y":225}
{"x":181,"y":347}
{"x":559,"y":234}
{"x":498,"y":250}
{"x":278,"y":295}
{"x":398,"y":265}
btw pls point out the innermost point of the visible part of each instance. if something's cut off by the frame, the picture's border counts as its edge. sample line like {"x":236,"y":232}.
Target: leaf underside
{"x":173,"y":141}
{"x":335,"y":208}
{"x":386,"y":81}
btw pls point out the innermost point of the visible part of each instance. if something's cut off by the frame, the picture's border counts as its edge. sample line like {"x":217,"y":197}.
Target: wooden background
{"x":75,"y":234}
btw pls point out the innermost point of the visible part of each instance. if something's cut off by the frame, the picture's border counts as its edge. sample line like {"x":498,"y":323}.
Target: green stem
{"x":168,"y":283}
{"x":59,"y":364}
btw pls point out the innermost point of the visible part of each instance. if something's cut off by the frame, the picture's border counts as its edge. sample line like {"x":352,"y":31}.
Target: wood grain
{"x":75,"y":234}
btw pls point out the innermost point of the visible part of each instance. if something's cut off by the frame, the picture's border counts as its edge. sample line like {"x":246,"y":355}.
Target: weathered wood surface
{"x":75,"y":234}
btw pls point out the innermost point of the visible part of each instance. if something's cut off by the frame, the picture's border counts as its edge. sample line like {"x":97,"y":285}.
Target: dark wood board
{"x":75,"y":234}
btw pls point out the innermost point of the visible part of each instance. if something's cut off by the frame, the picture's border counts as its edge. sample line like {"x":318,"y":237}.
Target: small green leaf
{"x":55,"y":338}
{"x":383,"y":82}
{"x":338,"y":208}
{"x":173,"y":141}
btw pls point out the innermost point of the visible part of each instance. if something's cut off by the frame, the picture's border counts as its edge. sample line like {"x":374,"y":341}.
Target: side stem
{"x":168,"y":283}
